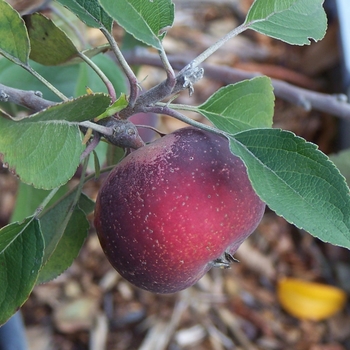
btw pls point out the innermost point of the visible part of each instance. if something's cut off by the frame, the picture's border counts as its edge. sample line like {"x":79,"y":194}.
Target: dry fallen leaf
{"x":310,"y":300}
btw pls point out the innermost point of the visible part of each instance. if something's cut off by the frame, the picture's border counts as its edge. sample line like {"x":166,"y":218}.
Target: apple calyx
{"x":224,"y":261}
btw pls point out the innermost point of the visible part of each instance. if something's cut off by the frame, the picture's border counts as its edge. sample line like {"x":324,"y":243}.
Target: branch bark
{"x":29,"y":99}
{"x":336,"y":105}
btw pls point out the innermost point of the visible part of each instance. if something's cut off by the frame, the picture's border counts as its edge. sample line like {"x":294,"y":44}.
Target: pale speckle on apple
{"x":175,"y":207}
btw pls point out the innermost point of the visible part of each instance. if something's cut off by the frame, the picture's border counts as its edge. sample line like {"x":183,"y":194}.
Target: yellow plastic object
{"x":309,"y":300}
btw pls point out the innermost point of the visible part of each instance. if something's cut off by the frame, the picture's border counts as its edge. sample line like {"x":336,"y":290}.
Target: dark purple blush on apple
{"x":175,"y":208}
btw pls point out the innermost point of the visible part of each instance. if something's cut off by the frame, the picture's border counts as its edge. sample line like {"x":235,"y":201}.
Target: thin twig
{"x":308,"y":99}
{"x":333,"y":104}
{"x":125,"y":66}
{"x":210,"y":50}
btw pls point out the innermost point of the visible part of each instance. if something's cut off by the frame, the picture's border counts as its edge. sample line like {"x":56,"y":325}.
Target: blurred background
{"x":253,"y":305}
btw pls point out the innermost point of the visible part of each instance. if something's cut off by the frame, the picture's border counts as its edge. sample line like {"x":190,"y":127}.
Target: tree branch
{"x":29,"y":99}
{"x":333,"y":104}
{"x":336,"y":105}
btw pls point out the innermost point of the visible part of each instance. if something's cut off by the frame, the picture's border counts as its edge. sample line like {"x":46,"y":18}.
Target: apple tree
{"x":47,"y":71}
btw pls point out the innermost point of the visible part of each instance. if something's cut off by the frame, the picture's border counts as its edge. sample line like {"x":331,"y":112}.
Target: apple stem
{"x":151,"y":128}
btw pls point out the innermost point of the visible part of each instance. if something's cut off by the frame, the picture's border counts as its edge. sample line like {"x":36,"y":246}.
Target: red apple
{"x":173,"y":209}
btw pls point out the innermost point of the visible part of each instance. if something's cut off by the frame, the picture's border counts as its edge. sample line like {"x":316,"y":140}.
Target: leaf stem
{"x":179,"y":106}
{"x":45,"y":202}
{"x":134,"y":88}
{"x":98,"y":71}
{"x":210,"y":50}
{"x":168,"y":111}
{"x":100,"y":128}
{"x":91,"y":146}
{"x":171,"y":77}
{"x":45,"y":82}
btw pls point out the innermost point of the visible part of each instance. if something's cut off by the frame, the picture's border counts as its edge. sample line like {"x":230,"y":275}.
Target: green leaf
{"x":44,"y":149}
{"x":5,"y":114}
{"x":83,"y":108}
{"x":90,"y":12}
{"x":99,"y":152}
{"x":29,"y":198}
{"x":129,"y":42}
{"x":342,"y":162}
{"x":145,"y":20}
{"x":242,"y":106}
{"x":292,"y":21}
{"x":114,"y":108}
{"x":86,"y":204}
{"x":14,"y":41}
{"x":45,"y":155}
{"x":118,"y":105}
{"x":97,"y":165}
{"x":49,"y":44}
{"x":70,"y":79}
{"x":114,"y":155}
{"x":54,"y":220}
{"x":64,"y":232}
{"x":21,"y":252}
{"x":297,"y":181}
{"x":67,"y":248}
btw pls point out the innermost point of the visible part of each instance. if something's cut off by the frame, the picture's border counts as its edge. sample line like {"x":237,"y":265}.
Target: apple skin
{"x":171,"y":210}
